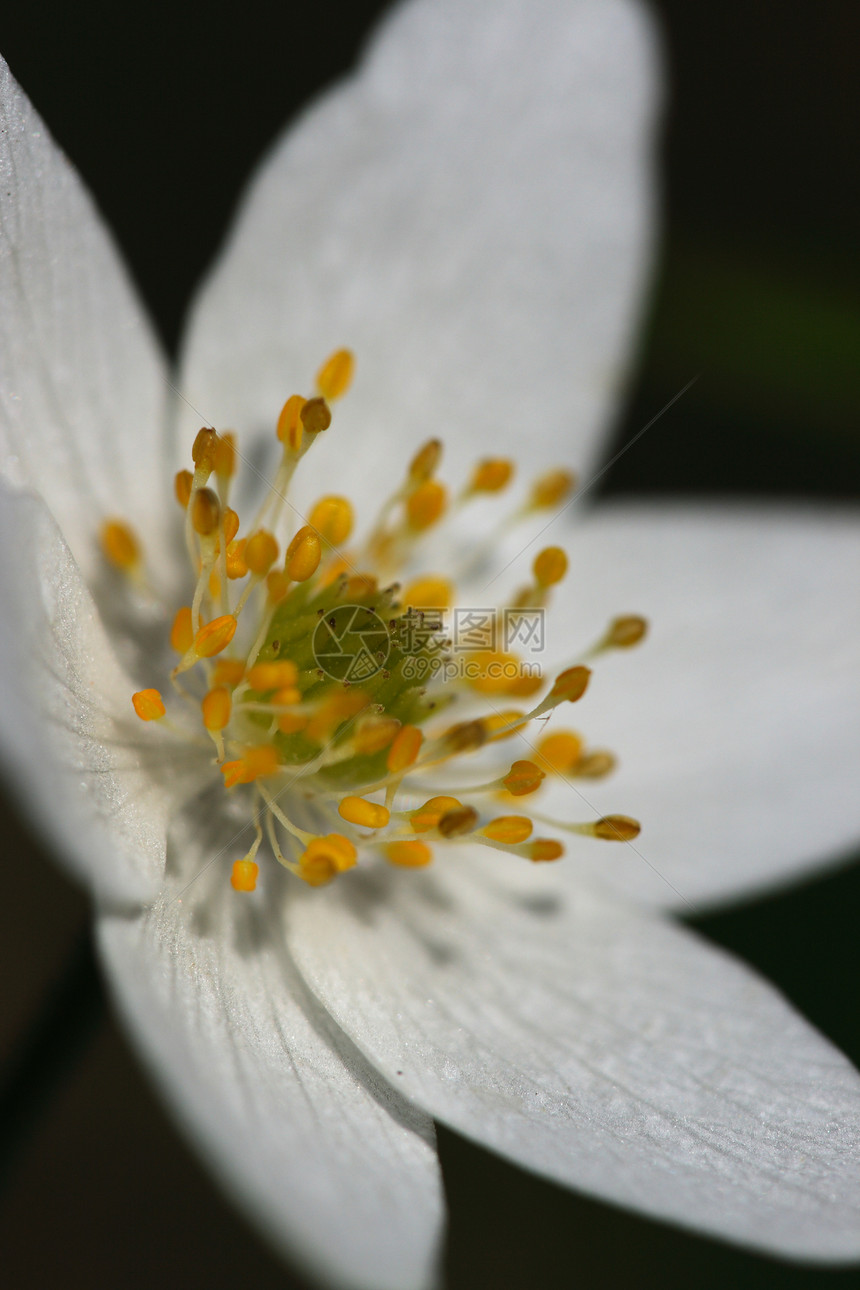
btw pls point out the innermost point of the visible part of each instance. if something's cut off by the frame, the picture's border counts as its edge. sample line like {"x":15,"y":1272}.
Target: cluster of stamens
{"x":321,"y":690}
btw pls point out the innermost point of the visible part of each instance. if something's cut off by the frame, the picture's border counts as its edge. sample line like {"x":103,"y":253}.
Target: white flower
{"x":471,"y":215}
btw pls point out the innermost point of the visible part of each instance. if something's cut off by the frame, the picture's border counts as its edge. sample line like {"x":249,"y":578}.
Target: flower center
{"x":320,"y":671}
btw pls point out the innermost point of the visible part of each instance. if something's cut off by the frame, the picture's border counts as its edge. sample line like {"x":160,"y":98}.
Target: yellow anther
{"x":272,"y":676}
{"x":236,"y":566}
{"x":182,"y":632}
{"x":503,"y":725}
{"x":552,"y":488}
{"x":560,"y":751}
{"x":361,"y":584}
{"x":403,"y":752}
{"x":625,"y":632}
{"x":315,"y":416}
{"x":495,"y":672}
{"x":244,"y":875}
{"x":205,"y":512}
{"x":182,"y":487}
{"x":425,"y":461}
{"x":149,"y":705}
{"x":290,"y":723}
{"x":335,"y":376}
{"x":215,"y":636}
{"x":255,"y":763}
{"x":544,"y":849}
{"x":508,"y":828}
{"x":332,"y":517}
{"x":523,"y":778}
{"x":325,"y":857}
{"x":595,"y":765}
{"x":375,"y":733}
{"x":425,"y":505}
{"x":357,"y":810}
{"x":214,"y":584}
{"x":428,"y":593}
{"x":230,"y":524}
{"x":616,"y":828}
{"x":429,"y":815}
{"x":337,"y":706}
{"x":550,"y":566}
{"x":288,"y":694}
{"x":491,"y":475}
{"x":303,"y":555}
{"x":120,"y":545}
{"x":453,"y":824}
{"x":224,"y":456}
{"x":289,"y":422}
{"x":570,"y":685}
{"x":228,"y":671}
{"x":277,"y":586}
{"x":408,"y":855}
{"x":203,"y":450}
{"x":522,"y":686}
{"x":261,"y":552}
{"x":216,"y":707}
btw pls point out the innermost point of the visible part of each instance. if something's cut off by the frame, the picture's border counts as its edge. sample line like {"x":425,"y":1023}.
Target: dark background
{"x":758,"y":291}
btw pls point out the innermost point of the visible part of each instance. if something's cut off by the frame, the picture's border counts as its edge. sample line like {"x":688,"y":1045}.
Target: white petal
{"x":322,"y":1155}
{"x":69,"y":736}
{"x":471,"y":215}
{"x":736,"y":721}
{"x":599,"y":1045}
{"x":82,"y":384}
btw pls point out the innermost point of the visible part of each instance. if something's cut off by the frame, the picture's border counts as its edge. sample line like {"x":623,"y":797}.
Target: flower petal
{"x":82,"y":392}
{"x":471,"y":215}
{"x":597,"y":1044}
{"x":68,"y":734}
{"x":735,"y":721}
{"x":324,"y":1157}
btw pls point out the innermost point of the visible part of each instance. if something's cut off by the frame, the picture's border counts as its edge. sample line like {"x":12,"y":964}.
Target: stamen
{"x":453,"y":824}
{"x":356,"y":810}
{"x":425,"y":462}
{"x":491,"y":476}
{"x":182,"y":487}
{"x":335,"y":376}
{"x":403,"y":752}
{"x":560,"y":751}
{"x":332,"y":517}
{"x":509,"y":829}
{"x":182,"y":633}
{"x":428,"y":593}
{"x":426,"y":504}
{"x":289,"y":427}
{"x":260,"y":552}
{"x":272,"y":676}
{"x":523,"y":778}
{"x":149,"y":705}
{"x":551,"y":489}
{"x":303,"y":555}
{"x":244,"y":875}
{"x":315,"y":416}
{"x":408,"y":855}
{"x":550,"y":566}
{"x":428,"y":816}
{"x":255,"y":763}
{"x":324,"y":858}
{"x":120,"y":546}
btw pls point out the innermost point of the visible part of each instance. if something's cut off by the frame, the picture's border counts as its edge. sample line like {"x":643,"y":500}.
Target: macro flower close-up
{"x":388,"y":755}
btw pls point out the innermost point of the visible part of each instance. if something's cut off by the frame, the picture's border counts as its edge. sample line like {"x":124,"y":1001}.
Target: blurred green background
{"x":165,"y":113}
